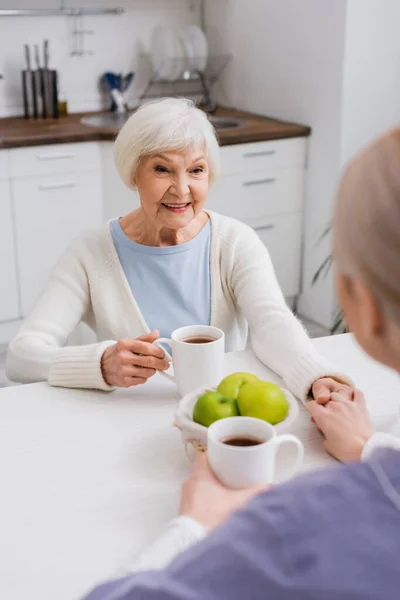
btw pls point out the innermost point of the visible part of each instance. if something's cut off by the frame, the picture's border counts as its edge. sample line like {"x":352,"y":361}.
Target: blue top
{"x":331,"y":535}
{"x":171,"y":284}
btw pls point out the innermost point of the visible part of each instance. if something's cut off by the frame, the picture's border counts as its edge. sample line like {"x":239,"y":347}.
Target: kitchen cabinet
{"x":282,"y":235}
{"x":52,"y":207}
{"x":262,"y":184}
{"x":9,"y":300}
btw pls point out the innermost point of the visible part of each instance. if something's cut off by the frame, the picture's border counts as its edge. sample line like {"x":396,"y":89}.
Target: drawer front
{"x":54,"y":159}
{"x":3,"y":164}
{"x":282,"y":237}
{"x":49,"y":213}
{"x":251,"y":199}
{"x":263,"y":156}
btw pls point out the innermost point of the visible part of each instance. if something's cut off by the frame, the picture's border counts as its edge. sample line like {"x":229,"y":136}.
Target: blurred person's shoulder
{"x":340,"y":521}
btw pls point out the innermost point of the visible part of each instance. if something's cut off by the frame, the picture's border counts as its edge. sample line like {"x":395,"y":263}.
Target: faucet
{"x":209,"y":104}
{"x":121,"y":107}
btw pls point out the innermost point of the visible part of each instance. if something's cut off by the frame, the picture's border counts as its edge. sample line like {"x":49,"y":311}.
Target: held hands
{"x":345,"y":423}
{"x":324,"y":387}
{"x":132,"y":362}
{"x":207,"y":501}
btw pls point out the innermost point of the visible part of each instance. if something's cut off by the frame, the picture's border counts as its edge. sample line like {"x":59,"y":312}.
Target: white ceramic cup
{"x":195,"y":365}
{"x":246,"y":466}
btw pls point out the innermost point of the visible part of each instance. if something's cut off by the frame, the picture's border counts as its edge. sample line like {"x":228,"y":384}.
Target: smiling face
{"x":173,"y":186}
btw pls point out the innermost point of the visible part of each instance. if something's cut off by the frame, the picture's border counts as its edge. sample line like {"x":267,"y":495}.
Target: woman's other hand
{"x":345,"y":423}
{"x":323,"y":388}
{"x":132,"y":362}
{"x":207,"y":501}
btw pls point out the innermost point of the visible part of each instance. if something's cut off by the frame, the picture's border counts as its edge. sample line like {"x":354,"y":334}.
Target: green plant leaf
{"x":339,"y":323}
{"x":322,"y":270}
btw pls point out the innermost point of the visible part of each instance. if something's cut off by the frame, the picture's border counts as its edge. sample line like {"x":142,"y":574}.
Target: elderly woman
{"x":167,"y":264}
{"x":331,"y":535}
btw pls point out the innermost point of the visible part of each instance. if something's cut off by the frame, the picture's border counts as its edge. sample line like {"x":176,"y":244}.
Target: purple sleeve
{"x":285,"y":544}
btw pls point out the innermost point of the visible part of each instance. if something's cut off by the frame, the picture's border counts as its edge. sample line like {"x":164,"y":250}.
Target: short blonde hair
{"x":367,"y":221}
{"x":170,"y":124}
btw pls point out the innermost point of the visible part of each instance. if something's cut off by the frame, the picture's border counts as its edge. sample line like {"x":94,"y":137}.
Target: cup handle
{"x":288,"y":438}
{"x":168,"y":357}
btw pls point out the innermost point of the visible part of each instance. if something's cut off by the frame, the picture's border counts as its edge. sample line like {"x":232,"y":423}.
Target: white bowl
{"x":196,"y":434}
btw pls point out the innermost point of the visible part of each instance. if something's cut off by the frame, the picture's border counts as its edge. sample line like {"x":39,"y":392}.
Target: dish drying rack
{"x":190,"y":82}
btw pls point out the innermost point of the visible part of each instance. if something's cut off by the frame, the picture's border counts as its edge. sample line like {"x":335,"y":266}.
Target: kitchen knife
{"x":25,"y":86}
{"x":32,"y":81}
{"x":39,"y":83}
{"x":54,"y":86}
{"x":47,"y":79}
{"x":27,"y":83}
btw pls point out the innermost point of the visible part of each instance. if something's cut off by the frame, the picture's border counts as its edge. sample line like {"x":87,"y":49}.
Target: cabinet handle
{"x":55,"y":155}
{"x":264,"y":227}
{"x":259,"y":181}
{"x":259,"y":153}
{"x":57,"y":185}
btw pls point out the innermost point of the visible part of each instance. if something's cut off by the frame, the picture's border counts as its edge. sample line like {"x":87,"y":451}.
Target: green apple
{"x":263,"y":400}
{"x":230,"y":386}
{"x":213,"y":406}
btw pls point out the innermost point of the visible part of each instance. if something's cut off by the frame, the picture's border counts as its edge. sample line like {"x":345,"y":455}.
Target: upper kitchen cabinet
{"x":57,"y":194}
{"x":9,"y":302}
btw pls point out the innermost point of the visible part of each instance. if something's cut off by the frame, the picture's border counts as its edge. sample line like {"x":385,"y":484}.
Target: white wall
{"x":288,"y":62}
{"x":116,"y":44}
{"x":371,"y":100}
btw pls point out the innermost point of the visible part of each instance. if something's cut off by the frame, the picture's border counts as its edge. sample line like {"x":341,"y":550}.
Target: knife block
{"x":40,"y":93}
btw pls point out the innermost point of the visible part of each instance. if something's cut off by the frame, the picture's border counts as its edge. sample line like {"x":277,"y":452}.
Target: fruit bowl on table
{"x":196,"y":434}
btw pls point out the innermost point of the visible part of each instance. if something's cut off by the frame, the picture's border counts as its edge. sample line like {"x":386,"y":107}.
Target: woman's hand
{"x":345,"y":423}
{"x":207,"y":501}
{"x":132,"y":362}
{"x":324,"y":387}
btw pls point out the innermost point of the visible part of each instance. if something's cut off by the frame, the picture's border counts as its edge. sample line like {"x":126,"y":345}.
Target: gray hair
{"x":367,"y":221}
{"x":164,"y":125}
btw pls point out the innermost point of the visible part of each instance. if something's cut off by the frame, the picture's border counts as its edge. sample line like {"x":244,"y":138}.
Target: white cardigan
{"x":88,"y":284}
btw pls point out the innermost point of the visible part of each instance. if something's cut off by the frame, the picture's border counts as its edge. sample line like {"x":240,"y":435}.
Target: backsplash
{"x":115,"y":45}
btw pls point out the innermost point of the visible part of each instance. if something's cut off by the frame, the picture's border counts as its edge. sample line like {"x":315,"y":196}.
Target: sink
{"x":226,"y":122}
{"x":107,"y":120}
{"x":116,"y":121}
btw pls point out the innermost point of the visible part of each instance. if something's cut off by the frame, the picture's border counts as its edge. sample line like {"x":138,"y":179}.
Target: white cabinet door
{"x":3,"y":164}
{"x":49,"y":213}
{"x":259,"y":157}
{"x":118,"y":199}
{"x":53,"y":159}
{"x":252,"y":198}
{"x":282,"y":237}
{"x":9,"y":302}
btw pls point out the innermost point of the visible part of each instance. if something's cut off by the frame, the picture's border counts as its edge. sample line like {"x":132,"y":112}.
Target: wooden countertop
{"x":17,"y":132}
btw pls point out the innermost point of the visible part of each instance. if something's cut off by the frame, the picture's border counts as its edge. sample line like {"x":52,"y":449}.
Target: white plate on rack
{"x":167,"y":53}
{"x":188,"y":49}
{"x":194,"y":38}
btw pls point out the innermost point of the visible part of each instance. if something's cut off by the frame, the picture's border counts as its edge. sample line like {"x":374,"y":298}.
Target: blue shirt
{"x":171,"y":284}
{"x":332,"y":535}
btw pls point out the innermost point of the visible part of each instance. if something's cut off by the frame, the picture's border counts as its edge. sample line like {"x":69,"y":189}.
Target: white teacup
{"x":248,"y":465}
{"x":195,"y":364}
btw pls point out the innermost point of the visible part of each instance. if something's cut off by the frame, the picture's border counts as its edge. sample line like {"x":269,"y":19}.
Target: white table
{"x":87,"y":479}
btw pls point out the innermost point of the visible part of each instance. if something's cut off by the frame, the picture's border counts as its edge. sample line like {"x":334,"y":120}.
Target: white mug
{"x":247,"y":466}
{"x":195,"y":365}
